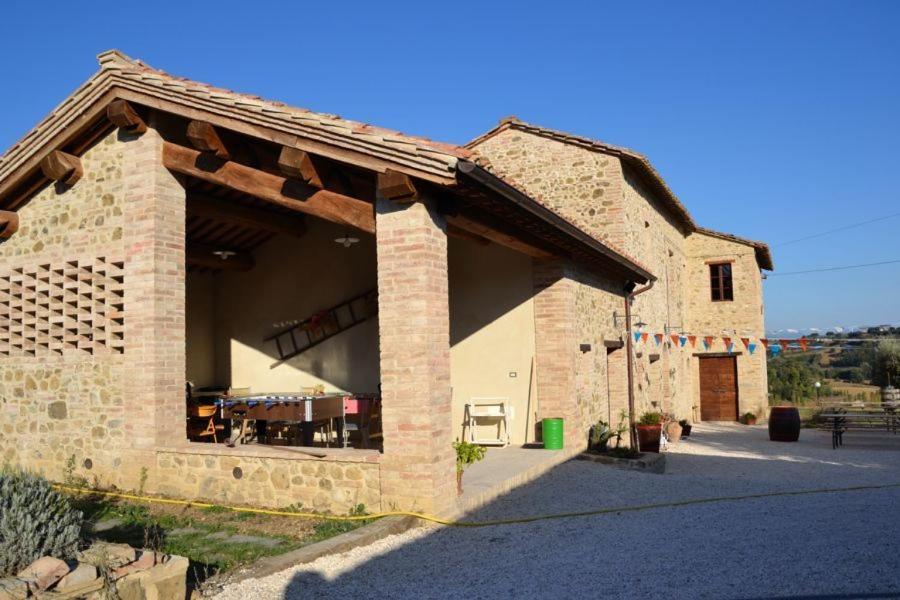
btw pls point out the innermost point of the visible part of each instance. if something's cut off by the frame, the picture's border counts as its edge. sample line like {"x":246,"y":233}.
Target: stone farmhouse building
{"x":157,"y":231}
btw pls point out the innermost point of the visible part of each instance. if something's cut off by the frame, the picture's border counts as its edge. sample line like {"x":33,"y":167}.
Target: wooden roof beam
{"x":496,"y":233}
{"x":222,"y":209}
{"x":204,"y":137}
{"x":9,"y":223}
{"x":397,"y":186}
{"x":212,"y":257}
{"x":289,"y":193}
{"x":123,"y":116}
{"x":62,"y":167}
{"x":297,"y":164}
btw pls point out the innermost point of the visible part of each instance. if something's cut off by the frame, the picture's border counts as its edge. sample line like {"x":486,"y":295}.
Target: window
{"x":720,"y":282}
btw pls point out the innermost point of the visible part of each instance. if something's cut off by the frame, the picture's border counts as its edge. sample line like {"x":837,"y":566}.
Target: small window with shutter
{"x":720,"y":282}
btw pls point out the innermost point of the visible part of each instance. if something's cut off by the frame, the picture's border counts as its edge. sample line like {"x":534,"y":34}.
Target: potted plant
{"x":673,"y":430}
{"x":600,"y":436}
{"x":466,"y":454}
{"x":649,"y":428}
{"x":685,"y":428}
{"x":748,"y":418}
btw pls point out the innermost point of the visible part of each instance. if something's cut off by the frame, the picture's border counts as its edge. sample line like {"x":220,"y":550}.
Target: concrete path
{"x":826,"y":545}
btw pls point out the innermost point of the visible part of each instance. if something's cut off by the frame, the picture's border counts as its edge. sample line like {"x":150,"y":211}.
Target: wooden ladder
{"x":324,"y":325}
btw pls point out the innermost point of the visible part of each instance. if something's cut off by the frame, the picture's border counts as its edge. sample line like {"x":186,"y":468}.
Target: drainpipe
{"x":629,"y":299}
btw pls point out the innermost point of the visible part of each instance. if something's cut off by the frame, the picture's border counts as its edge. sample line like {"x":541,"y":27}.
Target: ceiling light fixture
{"x":224,"y":254}
{"x":346,"y":241}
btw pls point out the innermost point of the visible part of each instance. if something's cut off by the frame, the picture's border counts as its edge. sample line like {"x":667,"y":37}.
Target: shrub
{"x":747,"y":418}
{"x":467,"y":454}
{"x":35,"y":521}
{"x":651,"y":418}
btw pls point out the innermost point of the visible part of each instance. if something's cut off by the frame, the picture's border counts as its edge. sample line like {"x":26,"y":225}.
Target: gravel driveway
{"x":825,"y":545}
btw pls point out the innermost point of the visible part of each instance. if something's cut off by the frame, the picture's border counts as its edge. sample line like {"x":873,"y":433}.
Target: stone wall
{"x":271,"y":478}
{"x":742,"y":317}
{"x":603,"y":196}
{"x":61,"y":387}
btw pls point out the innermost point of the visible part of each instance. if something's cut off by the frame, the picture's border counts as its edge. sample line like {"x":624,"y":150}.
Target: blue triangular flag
{"x":751,"y":347}
{"x":682,"y":340}
{"x":637,"y":336}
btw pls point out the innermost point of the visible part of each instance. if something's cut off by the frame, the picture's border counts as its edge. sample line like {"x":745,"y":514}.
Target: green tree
{"x":886,"y":370}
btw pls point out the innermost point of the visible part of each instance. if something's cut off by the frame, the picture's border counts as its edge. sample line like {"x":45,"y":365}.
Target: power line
{"x":822,"y":270}
{"x":844,"y":228}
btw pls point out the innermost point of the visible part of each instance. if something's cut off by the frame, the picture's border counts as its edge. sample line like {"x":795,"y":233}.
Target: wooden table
{"x":296,"y":408}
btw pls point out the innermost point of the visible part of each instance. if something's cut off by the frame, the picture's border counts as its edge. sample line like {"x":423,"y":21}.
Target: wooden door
{"x":718,"y":388}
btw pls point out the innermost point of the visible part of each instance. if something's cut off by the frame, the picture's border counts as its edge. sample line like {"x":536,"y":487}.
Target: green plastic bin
{"x":552,"y":434}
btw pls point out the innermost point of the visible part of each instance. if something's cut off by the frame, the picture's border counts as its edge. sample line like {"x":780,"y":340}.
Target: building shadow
{"x":825,"y":545}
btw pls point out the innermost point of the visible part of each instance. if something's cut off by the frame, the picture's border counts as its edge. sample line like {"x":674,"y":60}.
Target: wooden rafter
{"x":279,"y":191}
{"x":485,"y":227}
{"x":204,"y":137}
{"x":397,"y":186}
{"x":229,"y":211}
{"x":62,"y":167}
{"x":200,"y":255}
{"x":297,"y":164}
{"x":9,"y":223}
{"x":123,"y":116}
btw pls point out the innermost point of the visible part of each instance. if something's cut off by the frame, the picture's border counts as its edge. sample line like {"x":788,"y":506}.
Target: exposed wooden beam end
{"x":397,"y":186}
{"x":62,"y":167}
{"x":298,"y":164}
{"x":204,"y":137}
{"x":123,"y":116}
{"x":9,"y":223}
{"x":211,"y":257}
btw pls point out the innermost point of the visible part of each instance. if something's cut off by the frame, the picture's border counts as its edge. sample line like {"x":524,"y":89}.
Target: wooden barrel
{"x":784,"y":424}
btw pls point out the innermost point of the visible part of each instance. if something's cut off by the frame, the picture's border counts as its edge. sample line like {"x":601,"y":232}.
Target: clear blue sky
{"x":771,"y":120}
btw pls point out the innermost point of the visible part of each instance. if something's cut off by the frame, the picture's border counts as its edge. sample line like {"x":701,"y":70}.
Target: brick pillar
{"x":555,"y":346}
{"x":154,"y":297}
{"x":419,"y":465}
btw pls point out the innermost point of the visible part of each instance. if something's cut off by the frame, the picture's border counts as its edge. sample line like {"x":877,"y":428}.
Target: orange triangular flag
{"x":658,"y":337}
{"x":804,"y":343}
{"x":675,"y":339}
{"x":708,"y":340}
{"x":746,"y":343}
{"x":784,"y":345}
{"x":727,"y":341}
{"x":693,"y":340}
{"x":764,"y":342}
{"x":644,"y":336}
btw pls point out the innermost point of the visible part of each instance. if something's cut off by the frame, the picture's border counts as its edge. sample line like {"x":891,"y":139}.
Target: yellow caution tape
{"x":440,"y":521}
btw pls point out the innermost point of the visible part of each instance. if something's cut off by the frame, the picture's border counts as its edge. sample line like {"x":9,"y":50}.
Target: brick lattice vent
{"x":76,"y":306}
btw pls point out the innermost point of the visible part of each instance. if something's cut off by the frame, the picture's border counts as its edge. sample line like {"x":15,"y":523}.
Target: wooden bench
{"x":839,"y":420}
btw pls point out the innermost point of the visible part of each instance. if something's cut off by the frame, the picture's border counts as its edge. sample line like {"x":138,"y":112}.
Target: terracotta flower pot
{"x":673,"y":432}
{"x":750,"y":421}
{"x":648,"y":437}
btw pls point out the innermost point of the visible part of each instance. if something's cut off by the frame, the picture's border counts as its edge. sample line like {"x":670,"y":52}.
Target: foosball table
{"x":309,"y":411}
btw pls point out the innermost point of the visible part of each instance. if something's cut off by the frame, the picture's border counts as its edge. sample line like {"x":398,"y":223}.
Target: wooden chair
{"x":207,"y":411}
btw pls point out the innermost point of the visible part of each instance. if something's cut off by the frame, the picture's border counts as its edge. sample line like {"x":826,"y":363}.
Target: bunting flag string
{"x":680,"y":340}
